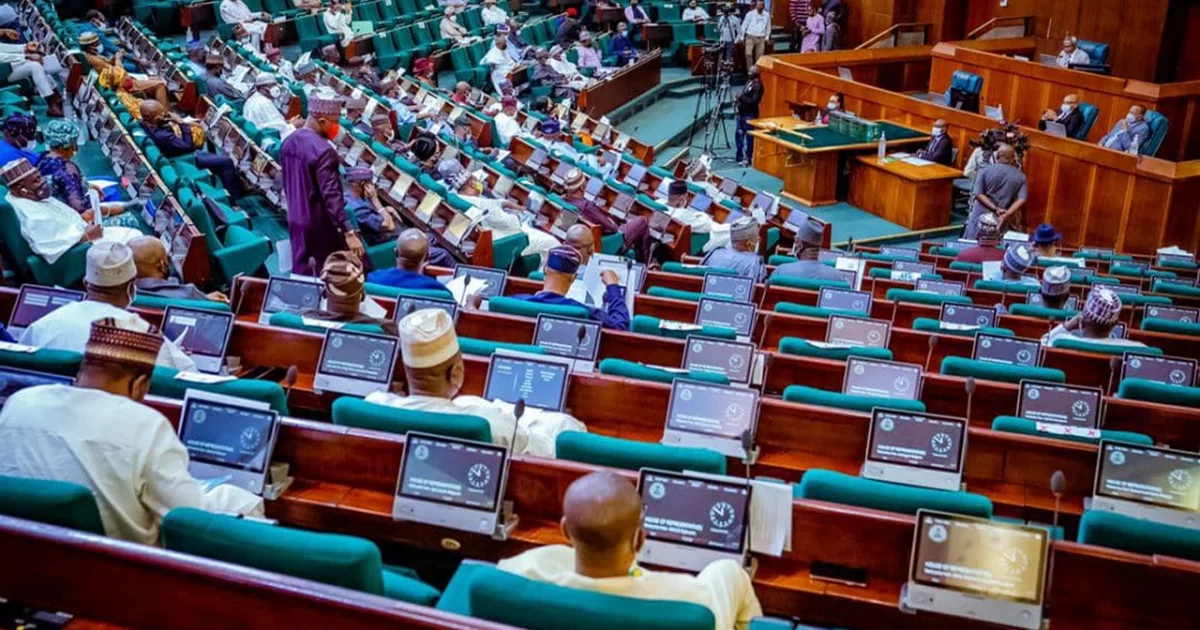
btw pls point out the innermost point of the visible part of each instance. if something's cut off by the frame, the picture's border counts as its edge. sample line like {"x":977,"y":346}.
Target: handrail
{"x":893,"y":33}
{"x":1024,"y":21}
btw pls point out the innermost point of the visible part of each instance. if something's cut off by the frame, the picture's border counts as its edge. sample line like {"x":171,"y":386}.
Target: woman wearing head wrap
{"x":66,"y":180}
{"x":114,"y":76}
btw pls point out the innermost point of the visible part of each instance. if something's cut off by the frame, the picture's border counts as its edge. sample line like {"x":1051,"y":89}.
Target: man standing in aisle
{"x":756,"y":28}
{"x":1000,"y":188}
{"x":747,"y":110}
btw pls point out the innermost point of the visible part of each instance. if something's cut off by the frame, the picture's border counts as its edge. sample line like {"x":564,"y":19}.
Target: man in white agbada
{"x":560,"y":64}
{"x":450,"y":29}
{"x":1094,"y":324}
{"x":492,"y":15}
{"x":260,"y":107}
{"x":506,"y":121}
{"x":109,"y":284}
{"x":602,"y":520}
{"x":499,"y":61}
{"x":236,"y":12}
{"x":99,"y":434}
{"x":338,"y":20}
{"x":678,"y":208}
{"x":501,"y":216}
{"x":434,"y":372}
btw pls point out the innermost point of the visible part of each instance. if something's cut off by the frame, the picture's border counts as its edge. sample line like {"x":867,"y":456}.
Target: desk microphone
{"x":289,"y":381}
{"x":312,"y":265}
{"x":1114,"y":362}
{"x":747,"y":440}
{"x":933,"y":342}
{"x":970,"y":387}
{"x":1058,"y":485}
{"x":518,"y":411}
{"x":236,"y":294}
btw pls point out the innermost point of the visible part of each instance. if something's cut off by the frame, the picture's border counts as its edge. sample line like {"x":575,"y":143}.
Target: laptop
{"x":1173,"y":313}
{"x":977,"y":569}
{"x":967,"y":315}
{"x":450,"y":482}
{"x":355,"y":363}
{"x":540,"y":381}
{"x":736,"y":288}
{"x":1035,"y":299}
{"x":1156,"y":484}
{"x":289,"y":295}
{"x":706,"y":415}
{"x":692,"y":519}
{"x":1055,"y":403}
{"x":882,"y":379}
{"x":495,"y":278}
{"x":940,"y":287}
{"x":732,"y":359}
{"x":739,"y":316}
{"x":407,"y":304}
{"x":991,"y":348}
{"x":845,"y":300}
{"x":1056,"y":129}
{"x":575,"y":339}
{"x":916,"y":449}
{"x":13,"y":380}
{"x":228,"y":439}
{"x":203,"y":334}
{"x":1166,"y":370}
{"x":858,"y":331}
{"x":35,"y":301}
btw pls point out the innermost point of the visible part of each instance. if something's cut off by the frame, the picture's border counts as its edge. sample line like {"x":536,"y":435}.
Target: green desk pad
{"x":824,"y":137}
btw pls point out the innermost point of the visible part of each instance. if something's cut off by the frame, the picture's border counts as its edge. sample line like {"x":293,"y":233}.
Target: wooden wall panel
{"x":1068,"y":181}
{"x":1188,"y":62}
{"x":1106,"y":206}
{"x":1144,"y":224}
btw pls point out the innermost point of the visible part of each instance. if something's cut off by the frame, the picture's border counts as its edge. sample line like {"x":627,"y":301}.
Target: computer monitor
{"x":540,"y":381}
{"x":13,"y":380}
{"x":940,"y":287}
{"x":964,"y":100}
{"x":900,"y":252}
{"x":1164,"y":259}
{"x":560,"y":172}
{"x":450,"y":482}
{"x":763,"y":201}
{"x":635,"y":175}
{"x":733,"y":359}
{"x":228,"y":438}
{"x":1033,"y":298}
{"x":991,"y":348}
{"x":34,"y":301}
{"x":1162,"y":369}
{"x":1055,"y":403}
{"x":355,"y":363}
{"x":692,"y":519}
{"x":495,"y":279}
{"x":409,"y":304}
{"x":829,"y":255}
{"x":911,"y":266}
{"x":729,"y":186}
{"x":1183,"y":314}
{"x":575,"y":339}
{"x":203,"y":334}
{"x":706,"y":415}
{"x":850,"y":277}
{"x":1146,"y":482}
{"x":1117,"y":332}
{"x":978,"y":569}
{"x":289,"y":295}
{"x":536,"y":159}
{"x":736,"y":288}
{"x":1124,"y":289}
{"x":858,"y":331}
{"x":700,"y":202}
{"x":916,"y":449}
{"x":739,"y":316}
{"x":882,"y":379}
{"x":967,"y":315}
{"x":621,"y":205}
{"x":844,"y":300}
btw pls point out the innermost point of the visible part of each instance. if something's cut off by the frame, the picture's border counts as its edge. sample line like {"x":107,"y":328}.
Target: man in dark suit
{"x":940,"y":148}
{"x":1068,"y":116}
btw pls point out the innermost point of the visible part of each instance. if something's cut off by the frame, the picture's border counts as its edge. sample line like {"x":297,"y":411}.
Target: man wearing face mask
{"x":506,"y":122}
{"x":1131,"y":131}
{"x":19,"y":140}
{"x":174,"y":138}
{"x":835,"y":104}
{"x":260,"y":106}
{"x":154,"y":273}
{"x":620,"y":46}
{"x":108,"y":283}
{"x":499,"y":60}
{"x":1068,"y":115}
{"x":377,"y":222}
{"x":1071,"y":54}
{"x":317,"y":221}
{"x":940,"y":148}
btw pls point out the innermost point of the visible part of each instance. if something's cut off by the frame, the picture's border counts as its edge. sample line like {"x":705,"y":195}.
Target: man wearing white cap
{"x":1017,"y":260}
{"x":741,"y":254}
{"x":492,"y":15}
{"x":1095,"y":322}
{"x":1056,"y":287}
{"x":434,"y":373}
{"x":109,"y":283}
{"x":561,"y":65}
{"x":450,"y":29}
{"x":235,"y":12}
{"x":260,"y":106}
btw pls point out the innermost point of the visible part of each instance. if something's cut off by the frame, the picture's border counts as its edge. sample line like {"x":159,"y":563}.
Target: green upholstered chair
{"x":1175,"y":288}
{"x":822,"y":398}
{"x":345,"y":561}
{"x":383,"y":290}
{"x":780,"y":259}
{"x":835,"y":487}
{"x":925,"y":297}
{"x":160,"y":303}
{"x":1013,"y":424}
{"x":794,"y":282}
{"x":1099,"y":346}
{"x":163,"y":383}
{"x":1094,"y":255}
{"x":1117,"y":531}
{"x":525,"y":308}
{"x":360,"y":414}
{"x":647,"y":325}
{"x":969,"y":267}
{"x":506,"y":250}
{"x":1006,"y":287}
{"x":61,"y":362}
{"x":1118,"y":269}
{"x":689,"y":296}
{"x":1153,"y":391}
{"x":696,"y":270}
{"x":803,"y":348}
{"x":601,"y":450}
{"x":928,"y":324}
{"x":1042,"y":312}
{"x":240,"y":251}
{"x":482,"y":591}
{"x":887,"y":257}
{"x":804,"y":310}
{"x":630,"y":369}
{"x":945,"y":250}
{"x":296,"y":322}
{"x":60,"y":503}
{"x":771,"y":623}
{"x":988,"y":371}
{"x":1158,"y":324}
{"x":1130,"y":299}
{"x":1158,"y":133}
{"x":486,"y":347}
{"x":67,"y":271}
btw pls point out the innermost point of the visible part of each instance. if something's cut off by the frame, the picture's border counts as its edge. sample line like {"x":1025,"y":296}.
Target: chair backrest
{"x":1097,"y":52}
{"x":358,"y":413}
{"x":163,"y":382}
{"x":505,"y":250}
{"x":630,"y":369}
{"x":1090,"y":113}
{"x":654,"y":326}
{"x":1158,"y":133}
{"x":696,"y":270}
{"x":988,"y":371}
{"x":835,"y":487}
{"x":1158,"y":324}
{"x":58,"y":503}
{"x":1153,"y":391}
{"x":600,"y":450}
{"x":1135,"y":535}
{"x":966,"y":81}
{"x":822,"y":398}
{"x":1100,"y":346}
{"x":796,"y":282}
{"x":525,"y":308}
{"x":925,"y":297}
{"x":803,"y":348}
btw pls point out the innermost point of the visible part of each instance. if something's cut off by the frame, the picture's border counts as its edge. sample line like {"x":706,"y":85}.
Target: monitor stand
{"x":507,"y":522}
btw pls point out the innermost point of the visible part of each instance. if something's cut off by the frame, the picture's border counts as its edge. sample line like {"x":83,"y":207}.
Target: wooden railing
{"x":1004,"y":28}
{"x":898,"y":36}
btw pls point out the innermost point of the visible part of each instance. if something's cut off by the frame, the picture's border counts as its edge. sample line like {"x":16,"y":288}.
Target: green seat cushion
{"x":1117,"y":531}
{"x":60,"y":503}
{"x":1041,"y":312}
{"x":1158,"y":324}
{"x":690,"y":296}
{"x":602,"y":450}
{"x":647,"y":325}
{"x":1153,"y":391}
{"x":813,"y":396}
{"x":1093,"y":255}
{"x":384,"y":290}
{"x":804,"y":310}
{"x":1067,"y":342}
{"x":1006,"y":287}
{"x":780,"y":259}
{"x":296,"y":322}
{"x":928,"y":324}
{"x":988,"y":371}
{"x":163,"y":383}
{"x":794,"y":282}
{"x":804,"y":348}
{"x":630,"y":369}
{"x":960,"y":265}
{"x":525,"y":308}
{"x":61,"y":362}
{"x":1176,"y":288}
{"x":160,"y":303}
{"x":925,"y":297}
{"x":402,"y":584}
{"x":486,"y":348}
{"x":696,"y":270}
{"x":835,"y":487}
{"x":358,"y":413}
{"x":1132,"y":299}
{"x":1013,"y":424}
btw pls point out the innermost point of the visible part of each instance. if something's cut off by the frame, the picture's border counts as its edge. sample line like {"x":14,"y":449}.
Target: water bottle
{"x":1134,"y":146}
{"x":882,"y":145}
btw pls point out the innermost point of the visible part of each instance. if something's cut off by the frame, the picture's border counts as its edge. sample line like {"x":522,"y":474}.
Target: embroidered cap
{"x":1018,"y":259}
{"x":16,"y":170}
{"x":1103,"y":307}
{"x":564,"y":259}
{"x":109,"y":341}
{"x":677,"y":187}
{"x":1056,"y":281}
{"x":427,"y":338}
{"x":359,"y":174}
{"x":988,"y":227}
{"x":744,"y":229}
{"x":325,"y":106}
{"x":109,"y":264}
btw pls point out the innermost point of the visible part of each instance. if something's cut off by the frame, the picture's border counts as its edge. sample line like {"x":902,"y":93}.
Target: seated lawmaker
{"x":1017,"y":260}
{"x":1095,"y":322}
{"x":1046,"y":240}
{"x":378,"y":223}
{"x":49,"y":226}
{"x":1072,"y":54}
{"x":635,"y":231}
{"x":338,"y":21}
{"x":602,"y":520}
{"x":260,"y":107}
{"x":174,"y":138}
{"x":620,"y":46}
{"x":412,"y":254}
{"x":741,"y":254}
{"x":1068,"y":115}
{"x":1056,"y":287}
{"x":1131,"y":131}
{"x":108,"y":283}
{"x":214,"y":83}
{"x":99,"y":434}
{"x":562,"y":264}
{"x":492,"y":15}
{"x":987,"y":247}
{"x":342,"y":280}
{"x":67,"y":183}
{"x":434,"y":374}
{"x":236,"y":12}
{"x":940,"y":148}
{"x":807,"y":250}
{"x":680,"y":209}
{"x":154,"y":273}
{"x":19,"y":139}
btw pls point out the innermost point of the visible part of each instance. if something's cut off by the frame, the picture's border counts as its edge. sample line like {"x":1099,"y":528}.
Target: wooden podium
{"x":917,"y":197}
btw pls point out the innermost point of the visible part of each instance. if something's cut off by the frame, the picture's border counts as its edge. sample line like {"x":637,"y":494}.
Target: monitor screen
{"x":1131,"y":289}
{"x":34,"y":301}
{"x":288,"y":295}
{"x":912,"y":266}
{"x":536,"y":159}
{"x":594,"y":186}
{"x":695,"y":511}
{"x":227,"y":434}
{"x":495,"y":278}
{"x":845,"y":300}
{"x":197,"y":331}
{"x":1167,"y":370}
{"x":1034,"y":298}
{"x":635,"y":174}
{"x":13,"y":380}
{"x":1117,"y":332}
{"x":967,"y":315}
{"x":407,"y":304}
{"x":1173,"y":313}
{"x":736,"y":288}
{"x":700,"y":202}
{"x":358,"y":356}
{"x":729,"y":186}
{"x":1053,"y":403}
{"x":719,"y":356}
{"x":622,"y":203}
{"x":736,"y":315}
{"x":567,"y":337}
{"x":1144,"y":474}
{"x":899,"y":252}
{"x":882,"y":379}
{"x":919,"y":440}
{"x":763,"y":201}
{"x":1007,"y":350}
{"x":829,"y":255}
{"x":982,"y":557}
{"x":940,"y":287}
{"x":452,"y":471}
{"x":708,"y":409}
{"x":858,"y":331}
{"x":560,"y":172}
{"x":540,"y":383}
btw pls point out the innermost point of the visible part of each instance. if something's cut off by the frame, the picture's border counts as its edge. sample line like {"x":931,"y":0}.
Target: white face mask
{"x":938,"y":131}
{"x":832,"y":106}
{"x":1066,"y":108}
{"x":32,"y":144}
{"x":1130,"y":118}
{"x":274,"y":91}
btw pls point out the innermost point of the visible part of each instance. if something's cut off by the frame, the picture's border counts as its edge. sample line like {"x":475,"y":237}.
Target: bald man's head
{"x":581,"y":239}
{"x":412,"y":248}
{"x":602,"y":517}
{"x":151,"y":110}
{"x":1005,"y":154}
{"x":150,"y":257}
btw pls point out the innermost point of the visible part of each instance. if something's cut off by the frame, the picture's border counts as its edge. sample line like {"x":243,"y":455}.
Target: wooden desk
{"x":622,"y":86}
{"x":917,"y":197}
